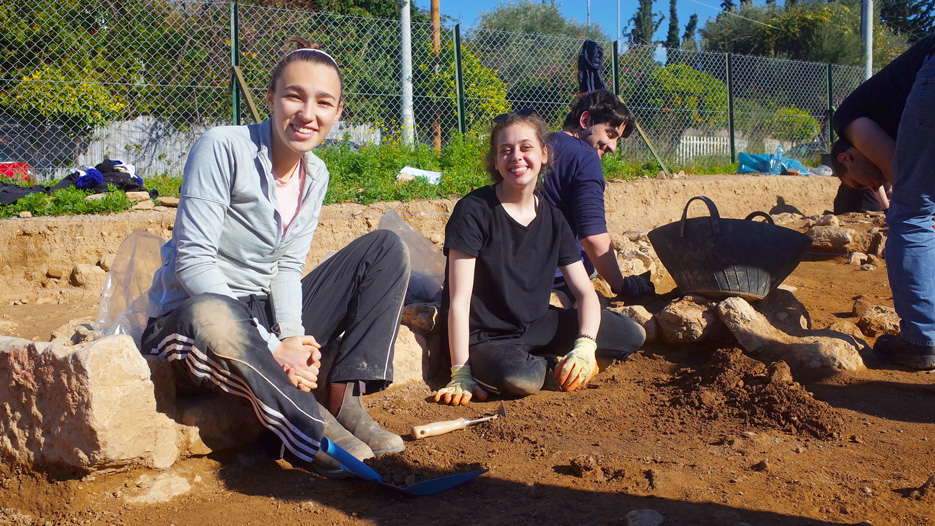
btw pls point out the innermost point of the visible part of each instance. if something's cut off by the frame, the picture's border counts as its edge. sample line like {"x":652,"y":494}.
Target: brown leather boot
{"x":344,"y":402}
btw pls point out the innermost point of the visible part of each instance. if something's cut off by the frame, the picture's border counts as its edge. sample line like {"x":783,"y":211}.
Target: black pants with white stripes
{"x":213,"y":343}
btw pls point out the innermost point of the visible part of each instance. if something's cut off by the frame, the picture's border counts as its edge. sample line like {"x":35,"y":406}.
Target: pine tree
{"x":688,"y":37}
{"x":644,"y":23}
{"x":914,"y":18}
{"x":727,"y":5}
{"x":672,"y":37}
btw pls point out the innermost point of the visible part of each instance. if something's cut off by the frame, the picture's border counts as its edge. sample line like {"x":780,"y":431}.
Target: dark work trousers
{"x":213,"y":343}
{"x":518,"y":368}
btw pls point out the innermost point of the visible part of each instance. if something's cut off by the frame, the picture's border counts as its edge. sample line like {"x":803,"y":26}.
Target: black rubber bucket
{"x":718,"y":258}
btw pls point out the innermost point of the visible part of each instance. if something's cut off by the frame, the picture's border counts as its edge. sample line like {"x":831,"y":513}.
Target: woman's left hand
{"x":300,"y":358}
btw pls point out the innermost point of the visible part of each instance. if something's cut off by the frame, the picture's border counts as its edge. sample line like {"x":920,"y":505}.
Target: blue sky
{"x":603,"y":12}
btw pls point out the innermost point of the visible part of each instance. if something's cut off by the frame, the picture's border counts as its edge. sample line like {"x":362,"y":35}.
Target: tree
{"x":728,"y":5}
{"x":688,"y":37}
{"x":814,"y":31}
{"x":914,"y":18}
{"x":534,"y":51}
{"x":644,"y":23}
{"x":544,"y":18}
{"x":672,"y":37}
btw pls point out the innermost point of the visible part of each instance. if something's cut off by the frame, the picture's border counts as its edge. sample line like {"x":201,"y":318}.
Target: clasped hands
{"x":300,"y":358}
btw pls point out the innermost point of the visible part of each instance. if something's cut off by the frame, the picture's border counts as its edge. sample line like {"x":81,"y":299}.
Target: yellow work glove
{"x":578,"y":366}
{"x":461,"y":387}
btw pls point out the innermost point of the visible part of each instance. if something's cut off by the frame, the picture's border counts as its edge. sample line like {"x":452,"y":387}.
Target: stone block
{"x":689,"y":320}
{"x":84,"y":408}
{"x":408,"y":357}
{"x":88,"y":276}
{"x":831,"y":238}
{"x":815,"y":351}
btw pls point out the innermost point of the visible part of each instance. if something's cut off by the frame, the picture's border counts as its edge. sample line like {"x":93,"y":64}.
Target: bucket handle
{"x":764,"y":215}
{"x":715,"y":217}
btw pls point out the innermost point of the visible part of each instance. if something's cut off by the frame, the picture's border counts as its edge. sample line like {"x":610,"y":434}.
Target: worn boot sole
{"x":893,"y":349}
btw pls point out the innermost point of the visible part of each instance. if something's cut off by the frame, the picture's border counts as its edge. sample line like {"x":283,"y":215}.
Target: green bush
{"x":793,"y":124}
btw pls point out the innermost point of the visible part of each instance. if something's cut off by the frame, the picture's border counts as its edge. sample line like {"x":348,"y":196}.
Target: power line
{"x":735,"y":14}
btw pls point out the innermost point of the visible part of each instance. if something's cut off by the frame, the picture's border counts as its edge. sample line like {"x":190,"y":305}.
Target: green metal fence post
{"x":459,"y":81}
{"x":730,"y":109}
{"x":235,"y":61}
{"x":830,"y":105}
{"x":616,"y":73}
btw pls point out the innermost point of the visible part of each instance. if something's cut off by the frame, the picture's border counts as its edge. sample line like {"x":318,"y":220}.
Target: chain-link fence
{"x":140,"y":80}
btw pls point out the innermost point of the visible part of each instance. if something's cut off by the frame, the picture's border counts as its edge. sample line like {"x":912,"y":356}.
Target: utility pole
{"x":437,"y":48}
{"x":866,"y":33}
{"x":408,"y":119}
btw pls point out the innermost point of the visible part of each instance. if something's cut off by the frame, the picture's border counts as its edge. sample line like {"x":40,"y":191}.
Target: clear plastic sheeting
{"x":427,"y":263}
{"x":124,"y":307}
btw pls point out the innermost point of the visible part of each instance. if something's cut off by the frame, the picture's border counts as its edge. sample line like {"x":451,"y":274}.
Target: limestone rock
{"x":408,"y":357}
{"x":421,"y":317}
{"x":153,"y":488}
{"x":816,"y":351}
{"x":82,"y":408}
{"x":848,"y":328}
{"x":857,"y":258}
{"x":55,"y":273}
{"x":211,"y":422}
{"x":784,"y":310}
{"x":7,"y":327}
{"x":106,"y":261}
{"x":88,"y":276}
{"x":828,"y":220}
{"x":879,"y":320}
{"x":860,"y":306}
{"x":138,"y":197}
{"x":25,"y":214}
{"x":877,"y":244}
{"x":639,"y":314}
{"x":644,"y":518}
{"x":144,"y":205}
{"x":830,"y":238}
{"x":171,"y":202}
{"x":69,"y":332}
{"x":688,"y":320}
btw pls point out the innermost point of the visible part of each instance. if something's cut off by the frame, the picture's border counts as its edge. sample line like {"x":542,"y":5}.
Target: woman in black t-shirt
{"x":502,"y":244}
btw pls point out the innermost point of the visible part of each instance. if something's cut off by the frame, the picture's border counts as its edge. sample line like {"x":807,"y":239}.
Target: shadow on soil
{"x":486,"y":500}
{"x":891,"y":400}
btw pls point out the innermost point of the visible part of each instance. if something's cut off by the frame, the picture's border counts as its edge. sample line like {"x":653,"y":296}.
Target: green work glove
{"x":461,"y":387}
{"x":578,"y":366}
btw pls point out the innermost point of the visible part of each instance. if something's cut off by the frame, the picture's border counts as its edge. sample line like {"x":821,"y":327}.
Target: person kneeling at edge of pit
{"x":235,"y":314}
{"x":887,"y":130}
{"x":575,"y":185}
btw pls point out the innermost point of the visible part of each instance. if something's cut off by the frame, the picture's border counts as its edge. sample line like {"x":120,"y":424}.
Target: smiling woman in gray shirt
{"x":234,"y":313}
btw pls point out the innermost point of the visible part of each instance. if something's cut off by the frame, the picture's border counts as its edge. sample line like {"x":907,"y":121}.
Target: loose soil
{"x":700,"y":434}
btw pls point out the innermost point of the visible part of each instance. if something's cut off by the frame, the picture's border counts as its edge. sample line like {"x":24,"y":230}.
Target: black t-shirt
{"x":515,"y":263}
{"x":882,"y":97}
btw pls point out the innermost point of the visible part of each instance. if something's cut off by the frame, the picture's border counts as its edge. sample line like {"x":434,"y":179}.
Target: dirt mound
{"x":733,"y":385}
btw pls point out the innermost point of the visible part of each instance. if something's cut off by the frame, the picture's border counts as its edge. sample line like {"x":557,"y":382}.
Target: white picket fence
{"x":692,"y":146}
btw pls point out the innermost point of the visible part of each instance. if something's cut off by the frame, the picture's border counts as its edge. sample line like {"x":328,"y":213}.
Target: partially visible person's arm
{"x":600,"y":250}
{"x":873,"y":141}
{"x":577,"y":367}
{"x":462,"y":386}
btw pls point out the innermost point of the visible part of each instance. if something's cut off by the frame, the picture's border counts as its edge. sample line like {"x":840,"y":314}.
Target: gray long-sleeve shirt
{"x":228,"y":237}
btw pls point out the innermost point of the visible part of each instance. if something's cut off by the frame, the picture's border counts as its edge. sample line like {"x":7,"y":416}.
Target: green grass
{"x":68,"y":201}
{"x":369,"y":175}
